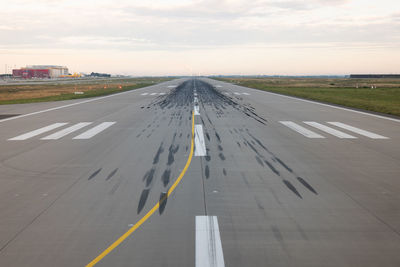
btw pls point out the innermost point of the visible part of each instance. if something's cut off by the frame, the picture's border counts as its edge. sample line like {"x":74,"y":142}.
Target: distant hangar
{"x":40,"y":71}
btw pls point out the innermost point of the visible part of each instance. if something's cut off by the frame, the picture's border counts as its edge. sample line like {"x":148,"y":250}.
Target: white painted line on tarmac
{"x":195,"y":94}
{"x":209,"y":251}
{"x":236,"y":93}
{"x":144,"y":94}
{"x":171,"y":86}
{"x":358,"y":130}
{"x":200,"y":146}
{"x":328,"y":105}
{"x":38,"y":131}
{"x":69,"y":105}
{"x":219,"y":86}
{"x":195,"y":100}
{"x":95,"y":130}
{"x":301,"y":130}
{"x":329,"y":130}
{"x":245,"y":93}
{"x":66,"y":131}
{"x":153,"y":93}
{"x":196,"y":110}
{"x":161,"y":93}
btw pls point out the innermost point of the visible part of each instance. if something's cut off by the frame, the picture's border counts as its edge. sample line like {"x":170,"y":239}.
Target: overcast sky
{"x":164,"y":37}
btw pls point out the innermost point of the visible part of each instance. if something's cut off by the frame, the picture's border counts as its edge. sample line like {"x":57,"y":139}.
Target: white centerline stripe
{"x":208,"y":242}
{"x":95,"y":130}
{"x":195,"y":100}
{"x":301,"y":130}
{"x":38,"y":131}
{"x":236,"y":93}
{"x":145,"y":94}
{"x":153,"y":93}
{"x":329,"y":130}
{"x":161,"y":93}
{"x":358,"y":130}
{"x":196,"y":110}
{"x":246,"y":93}
{"x":200,"y":146}
{"x":66,"y":131}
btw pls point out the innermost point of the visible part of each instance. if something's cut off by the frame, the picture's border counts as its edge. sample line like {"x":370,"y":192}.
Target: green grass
{"x":112,"y":88}
{"x":384,"y":99}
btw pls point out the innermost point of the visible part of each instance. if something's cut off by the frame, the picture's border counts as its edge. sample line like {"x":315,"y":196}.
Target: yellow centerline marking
{"x":154,"y":209}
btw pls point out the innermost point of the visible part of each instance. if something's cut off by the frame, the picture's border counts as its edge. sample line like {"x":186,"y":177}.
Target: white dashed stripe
{"x":95,"y":130}
{"x":66,"y":131}
{"x":38,"y":131}
{"x":301,"y":130}
{"x":209,"y":251}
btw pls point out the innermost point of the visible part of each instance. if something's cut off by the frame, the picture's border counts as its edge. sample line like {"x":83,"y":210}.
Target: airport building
{"x":40,"y":71}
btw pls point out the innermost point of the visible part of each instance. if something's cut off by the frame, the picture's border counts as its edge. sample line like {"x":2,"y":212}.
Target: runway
{"x":198,"y":172}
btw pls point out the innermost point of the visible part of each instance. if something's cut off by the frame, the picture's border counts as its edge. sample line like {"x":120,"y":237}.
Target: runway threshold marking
{"x":301,"y":130}
{"x":358,"y":130}
{"x":151,"y":212}
{"x":95,"y":130}
{"x":208,"y":242}
{"x":66,"y":131}
{"x":329,"y":130}
{"x":38,"y":131}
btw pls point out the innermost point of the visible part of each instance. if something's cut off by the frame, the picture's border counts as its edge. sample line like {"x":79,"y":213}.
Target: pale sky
{"x":181,"y":37}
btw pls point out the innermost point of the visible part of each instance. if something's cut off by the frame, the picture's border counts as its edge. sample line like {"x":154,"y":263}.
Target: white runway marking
{"x":358,"y":130}
{"x":171,"y":86}
{"x":209,"y":251}
{"x":94,"y":131}
{"x":329,"y":130}
{"x":301,"y":130}
{"x":66,"y":131}
{"x":196,"y":110}
{"x":200,"y":146}
{"x":236,"y":93}
{"x":145,"y":94}
{"x":219,"y":86}
{"x":161,"y":93}
{"x":153,"y":93}
{"x":195,"y":100}
{"x":246,"y":94}
{"x":38,"y":131}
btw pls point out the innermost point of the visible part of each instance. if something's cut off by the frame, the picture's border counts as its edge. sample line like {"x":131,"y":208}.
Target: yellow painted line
{"x":154,"y":209}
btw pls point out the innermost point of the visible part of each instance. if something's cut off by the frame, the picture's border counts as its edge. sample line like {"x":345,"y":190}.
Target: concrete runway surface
{"x":197,"y":172}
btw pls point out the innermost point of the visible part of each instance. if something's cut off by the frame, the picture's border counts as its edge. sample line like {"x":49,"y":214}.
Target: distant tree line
{"x":358,"y":76}
{"x":95,"y":74}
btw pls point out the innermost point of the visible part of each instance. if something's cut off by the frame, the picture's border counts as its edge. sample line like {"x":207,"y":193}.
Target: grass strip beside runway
{"x":59,"y":90}
{"x":385,"y":98}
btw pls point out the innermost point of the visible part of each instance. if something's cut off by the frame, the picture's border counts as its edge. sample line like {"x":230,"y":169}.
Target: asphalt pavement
{"x":198,"y":172}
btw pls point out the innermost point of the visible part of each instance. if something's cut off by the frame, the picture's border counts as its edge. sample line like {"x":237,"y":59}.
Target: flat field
{"x":355,"y":93}
{"x":28,"y":92}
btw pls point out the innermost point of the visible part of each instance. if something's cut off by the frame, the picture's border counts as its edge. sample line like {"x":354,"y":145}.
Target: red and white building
{"x":40,"y":71}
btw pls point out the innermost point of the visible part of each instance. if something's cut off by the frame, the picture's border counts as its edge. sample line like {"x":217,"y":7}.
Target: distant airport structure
{"x":361,"y":76}
{"x":40,"y":71}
